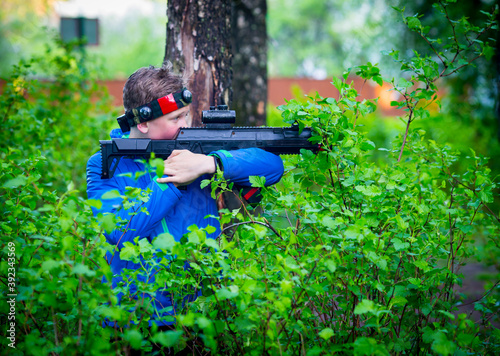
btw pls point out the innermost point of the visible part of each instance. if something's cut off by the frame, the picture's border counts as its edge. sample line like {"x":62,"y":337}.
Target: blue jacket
{"x":170,"y":209}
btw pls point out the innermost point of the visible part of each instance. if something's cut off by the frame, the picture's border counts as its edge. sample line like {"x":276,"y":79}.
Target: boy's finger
{"x":164,"y":180}
{"x":175,"y":153}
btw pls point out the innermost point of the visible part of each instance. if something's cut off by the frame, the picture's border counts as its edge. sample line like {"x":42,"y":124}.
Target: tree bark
{"x":199,"y":44}
{"x":249,"y":43}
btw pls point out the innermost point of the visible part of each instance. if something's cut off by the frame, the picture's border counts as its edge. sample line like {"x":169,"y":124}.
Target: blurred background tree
{"x":469,"y":117}
{"x":22,"y":32}
{"x":319,"y":39}
{"x":250,"y":57}
{"x":130,"y":32}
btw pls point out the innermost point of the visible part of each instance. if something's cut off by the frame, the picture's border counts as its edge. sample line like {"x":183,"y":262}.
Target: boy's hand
{"x":184,"y":167}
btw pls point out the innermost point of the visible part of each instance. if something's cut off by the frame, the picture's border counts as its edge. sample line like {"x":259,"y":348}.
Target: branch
{"x":484,"y":295}
{"x":406,"y":135}
{"x":251,"y":222}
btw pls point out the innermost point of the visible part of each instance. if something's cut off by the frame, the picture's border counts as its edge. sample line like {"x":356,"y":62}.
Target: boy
{"x":176,"y":200}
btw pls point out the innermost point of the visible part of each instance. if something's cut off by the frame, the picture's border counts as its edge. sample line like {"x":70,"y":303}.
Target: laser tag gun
{"x":218,"y":134}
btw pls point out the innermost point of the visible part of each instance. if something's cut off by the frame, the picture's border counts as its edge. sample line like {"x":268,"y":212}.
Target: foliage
{"x":142,"y":47}
{"x":348,"y":255}
{"x":366,"y":258}
{"x":26,"y":27}
{"x":476,"y":81}
{"x":321,"y":38}
{"x":358,"y":258}
{"x":49,"y":116}
{"x":22,"y":30}
{"x":51,"y":247}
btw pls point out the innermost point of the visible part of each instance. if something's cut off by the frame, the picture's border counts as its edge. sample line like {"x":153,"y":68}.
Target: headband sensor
{"x":155,"y":109}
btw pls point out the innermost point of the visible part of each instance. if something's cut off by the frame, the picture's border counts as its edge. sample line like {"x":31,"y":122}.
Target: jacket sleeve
{"x":238,"y":165}
{"x":143,"y":217}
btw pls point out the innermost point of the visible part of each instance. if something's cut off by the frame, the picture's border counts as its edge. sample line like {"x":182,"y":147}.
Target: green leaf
{"x":15,"y":182}
{"x":329,"y":222}
{"x":144,"y":246}
{"x":367,"y":145}
{"x":168,"y":338}
{"x":378,"y":79}
{"x":134,"y":337}
{"x":422,"y":264}
{"x":370,"y":191}
{"x":326,"y":333}
{"x":398,"y":300}
{"x":210,"y":229}
{"x":331,"y":265}
{"x":187,"y":319}
{"x":401,"y":223}
{"x":196,"y":236}
{"x":465,"y":228}
{"x":50,"y":264}
{"x":257,"y":181}
{"x":227,"y":293}
{"x":426,"y":309}
{"x":443,"y":346}
{"x":111,"y":194}
{"x":337,"y":83}
{"x":448,"y":314}
{"x":129,"y":252}
{"x":159,"y":165}
{"x":400,"y":245}
{"x":81,"y":269}
{"x":286,"y":286}
{"x":203,"y":322}
{"x":164,"y":242}
{"x":488,"y":52}
{"x":486,"y":196}
{"x":365,"y":306}
{"x":204,"y":183}
{"x":107,"y":221}
{"x":413,"y":22}
{"x":415,"y":281}
{"x":94,"y":203}
{"x":369,"y":346}
{"x":212,"y":243}
{"x":404,"y":83}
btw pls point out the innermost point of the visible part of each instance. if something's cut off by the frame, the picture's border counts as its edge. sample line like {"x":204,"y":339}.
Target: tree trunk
{"x":199,"y":44}
{"x":249,"y":43}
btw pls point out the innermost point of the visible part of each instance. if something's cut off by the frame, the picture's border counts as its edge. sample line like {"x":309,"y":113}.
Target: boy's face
{"x":167,"y":126}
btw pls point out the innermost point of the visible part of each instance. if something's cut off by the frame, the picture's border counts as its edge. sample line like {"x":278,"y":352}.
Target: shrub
{"x":358,"y":258}
{"x":51,"y":256}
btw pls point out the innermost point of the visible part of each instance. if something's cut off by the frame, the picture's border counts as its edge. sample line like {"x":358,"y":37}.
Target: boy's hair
{"x":150,"y":83}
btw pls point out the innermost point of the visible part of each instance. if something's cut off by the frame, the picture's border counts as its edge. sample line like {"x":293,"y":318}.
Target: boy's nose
{"x":182,"y":122}
{"x":188,"y":119}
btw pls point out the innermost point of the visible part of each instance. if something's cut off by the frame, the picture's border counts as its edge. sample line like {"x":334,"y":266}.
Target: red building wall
{"x":280,"y":89}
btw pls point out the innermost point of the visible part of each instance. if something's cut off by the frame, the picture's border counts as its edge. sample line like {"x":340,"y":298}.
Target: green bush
{"x":51,"y":255}
{"x":355,"y":258}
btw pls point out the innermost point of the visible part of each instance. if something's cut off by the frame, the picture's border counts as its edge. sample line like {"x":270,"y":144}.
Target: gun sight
{"x":219,"y":115}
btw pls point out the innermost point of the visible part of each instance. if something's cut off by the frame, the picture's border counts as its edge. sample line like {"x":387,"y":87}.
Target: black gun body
{"x":278,"y":140}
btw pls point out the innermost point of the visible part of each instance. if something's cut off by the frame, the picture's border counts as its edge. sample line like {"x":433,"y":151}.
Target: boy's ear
{"x":143,"y":127}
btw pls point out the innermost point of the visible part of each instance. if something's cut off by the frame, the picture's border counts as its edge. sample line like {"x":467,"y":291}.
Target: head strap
{"x":155,"y":109}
